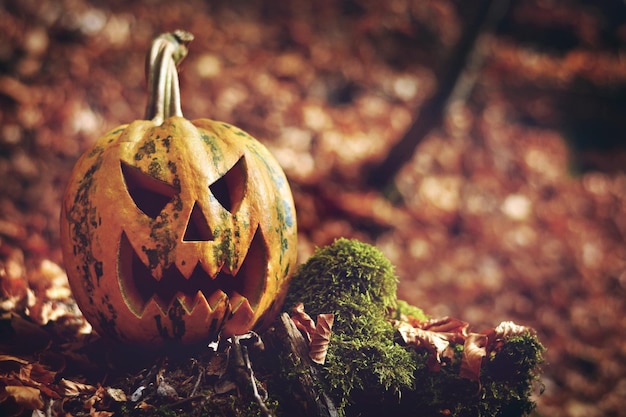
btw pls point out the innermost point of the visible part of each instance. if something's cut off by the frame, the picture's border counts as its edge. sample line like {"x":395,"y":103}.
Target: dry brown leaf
{"x":321,"y":338}
{"x":433,"y":342}
{"x":24,"y":372}
{"x":116,"y":394}
{"x":97,"y":397}
{"x":455,"y":330}
{"x":474,"y":350}
{"x":508,"y":329}
{"x":42,"y":375}
{"x":503,"y":331}
{"x":445,"y":324}
{"x":73,"y":388}
{"x":27,"y":397}
{"x":303,"y":321}
{"x":10,"y":358}
{"x":34,"y":375}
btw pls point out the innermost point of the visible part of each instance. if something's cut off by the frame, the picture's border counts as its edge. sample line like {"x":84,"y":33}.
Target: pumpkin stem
{"x":166,"y":52}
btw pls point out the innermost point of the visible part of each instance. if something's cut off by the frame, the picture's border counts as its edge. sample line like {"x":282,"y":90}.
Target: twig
{"x":197,"y":384}
{"x":255,"y":391}
{"x":239,"y":368}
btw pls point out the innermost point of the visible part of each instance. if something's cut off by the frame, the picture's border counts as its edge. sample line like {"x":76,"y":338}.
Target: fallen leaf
{"x":474,"y":350}
{"x":321,"y":338}
{"x":116,"y":394}
{"x":445,"y":324}
{"x":97,"y":397}
{"x":42,"y":375}
{"x":433,"y":342}
{"x":27,"y":397}
{"x":72,"y":388}
{"x":455,"y":330}
{"x":508,"y":329}
{"x":10,"y":358}
{"x":303,"y":321}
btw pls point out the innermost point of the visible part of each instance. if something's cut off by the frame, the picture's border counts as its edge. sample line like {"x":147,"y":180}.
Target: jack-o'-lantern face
{"x":178,"y":231}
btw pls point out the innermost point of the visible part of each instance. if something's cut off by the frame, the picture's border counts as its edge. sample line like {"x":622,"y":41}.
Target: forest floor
{"x":512,"y":206}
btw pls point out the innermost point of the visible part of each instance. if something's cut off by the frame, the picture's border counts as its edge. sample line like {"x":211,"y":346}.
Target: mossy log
{"x":385,"y":356}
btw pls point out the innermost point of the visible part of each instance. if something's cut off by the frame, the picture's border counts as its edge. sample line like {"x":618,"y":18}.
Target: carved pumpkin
{"x":177,"y":230}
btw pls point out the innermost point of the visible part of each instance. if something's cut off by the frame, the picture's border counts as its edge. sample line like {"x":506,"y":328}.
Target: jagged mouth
{"x":140,"y":287}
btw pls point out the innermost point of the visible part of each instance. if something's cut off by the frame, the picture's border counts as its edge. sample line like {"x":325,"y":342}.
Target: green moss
{"x":355,"y":282}
{"x":405,"y":309}
{"x":506,"y":383}
{"x":510,"y":375}
{"x":367,"y":368}
{"x":367,"y":373}
{"x":348,"y":270}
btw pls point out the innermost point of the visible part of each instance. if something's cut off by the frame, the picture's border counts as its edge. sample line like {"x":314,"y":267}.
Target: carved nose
{"x":198,"y":229}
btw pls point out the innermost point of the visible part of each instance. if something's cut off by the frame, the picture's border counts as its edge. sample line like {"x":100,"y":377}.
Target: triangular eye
{"x":149,"y":194}
{"x":230,"y":188}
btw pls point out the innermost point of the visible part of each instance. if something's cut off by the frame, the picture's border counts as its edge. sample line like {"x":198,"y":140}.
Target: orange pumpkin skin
{"x":178,"y":232}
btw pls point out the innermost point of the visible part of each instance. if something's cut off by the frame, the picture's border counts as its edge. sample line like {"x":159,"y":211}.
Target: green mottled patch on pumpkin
{"x":165,"y":242}
{"x":215,"y":152}
{"x":117,"y":131}
{"x":155,"y":170}
{"x":224,"y":249}
{"x":147,"y":149}
{"x":171,"y":166}
{"x":166,"y":143}
{"x":177,"y":205}
{"x":95,"y":151}
{"x":81,"y":219}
